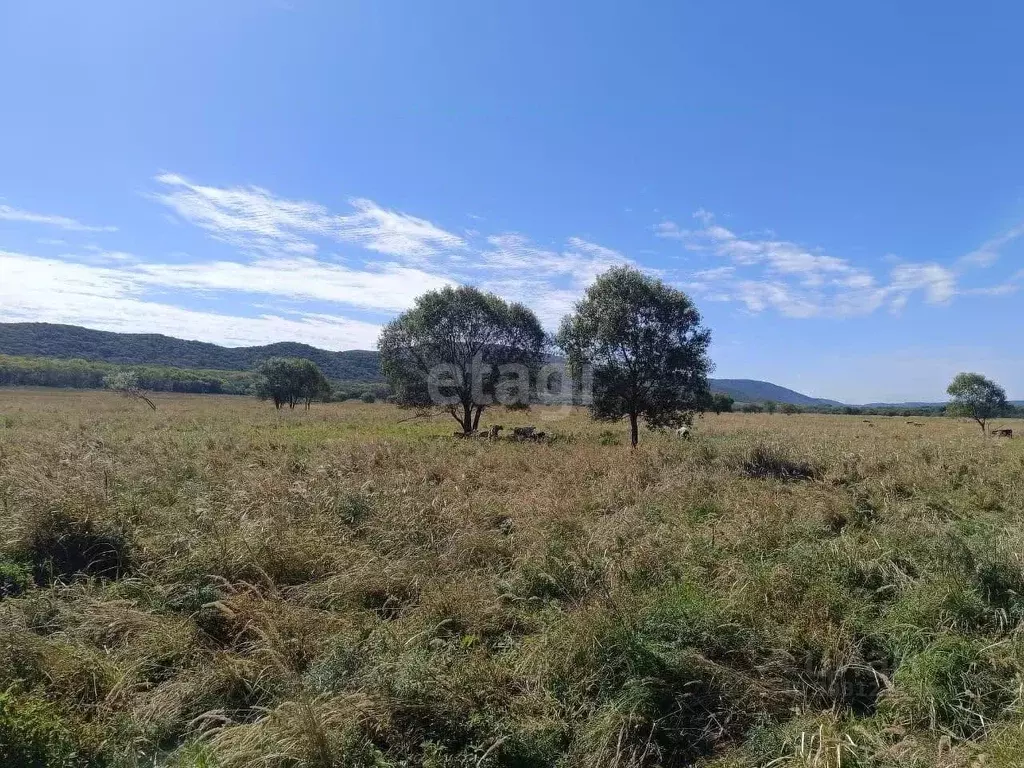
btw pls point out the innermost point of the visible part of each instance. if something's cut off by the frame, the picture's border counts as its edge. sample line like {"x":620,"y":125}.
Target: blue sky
{"x":839,"y":187}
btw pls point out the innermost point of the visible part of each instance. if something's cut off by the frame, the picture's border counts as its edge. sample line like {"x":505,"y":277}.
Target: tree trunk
{"x":467,"y":418}
{"x":476,"y":417}
{"x":633,"y":438}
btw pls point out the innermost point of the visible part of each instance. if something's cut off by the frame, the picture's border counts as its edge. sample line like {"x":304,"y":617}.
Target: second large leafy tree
{"x":646,"y":349}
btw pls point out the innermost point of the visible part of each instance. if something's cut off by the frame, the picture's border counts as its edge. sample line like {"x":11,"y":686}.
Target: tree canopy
{"x":461,"y":350}
{"x":290,"y":381}
{"x":976,"y":397}
{"x":645,"y":346}
{"x":722,"y":403}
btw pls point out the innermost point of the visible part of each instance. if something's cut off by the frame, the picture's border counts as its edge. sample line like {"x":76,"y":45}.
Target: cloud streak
{"x":253,"y":219}
{"x":391,"y":288}
{"x":989,"y":252}
{"x":770,"y":274}
{"x":7,"y":213}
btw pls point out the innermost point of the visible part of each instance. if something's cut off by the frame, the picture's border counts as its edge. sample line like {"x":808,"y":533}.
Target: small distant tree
{"x":645,"y":346}
{"x":975,"y":397}
{"x":126,"y":383}
{"x":751,"y":408}
{"x":368,"y":397}
{"x":770,"y":406}
{"x":460,"y":350}
{"x":789,"y":409}
{"x":722,"y":403}
{"x":290,"y":381}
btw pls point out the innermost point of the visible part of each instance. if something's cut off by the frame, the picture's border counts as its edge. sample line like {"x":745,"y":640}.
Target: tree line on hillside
{"x":150,"y":349}
{"x":90,"y":374}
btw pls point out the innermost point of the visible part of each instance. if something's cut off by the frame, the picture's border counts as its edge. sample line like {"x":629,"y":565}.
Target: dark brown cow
{"x":1002,"y":432}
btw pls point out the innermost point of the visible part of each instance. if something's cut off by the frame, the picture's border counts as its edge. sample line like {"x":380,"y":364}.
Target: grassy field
{"x":219,"y":584}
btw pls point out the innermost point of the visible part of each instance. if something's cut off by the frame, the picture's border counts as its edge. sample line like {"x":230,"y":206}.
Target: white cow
{"x":683,"y":433}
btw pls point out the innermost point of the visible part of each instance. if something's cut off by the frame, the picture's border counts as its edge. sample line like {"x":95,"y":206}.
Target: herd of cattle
{"x":495,"y":430}
{"x":995,"y":432}
{"x":530,"y":433}
{"x":683,"y":433}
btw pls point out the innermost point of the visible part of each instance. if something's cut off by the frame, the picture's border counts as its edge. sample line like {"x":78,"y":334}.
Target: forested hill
{"x":72,"y":341}
{"x":752,"y":391}
{"x":45,"y":340}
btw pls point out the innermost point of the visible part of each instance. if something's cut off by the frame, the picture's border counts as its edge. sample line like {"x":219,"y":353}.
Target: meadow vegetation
{"x":217,"y":583}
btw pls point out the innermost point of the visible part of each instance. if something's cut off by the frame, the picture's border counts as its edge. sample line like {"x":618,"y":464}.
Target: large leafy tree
{"x":646,"y":349}
{"x":290,"y":381}
{"x":461,"y":350}
{"x":975,"y":397}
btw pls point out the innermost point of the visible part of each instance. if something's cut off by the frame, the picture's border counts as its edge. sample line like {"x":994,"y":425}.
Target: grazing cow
{"x":683,"y":433}
{"x":494,"y":430}
{"x":523,"y":431}
{"x":1003,"y":432}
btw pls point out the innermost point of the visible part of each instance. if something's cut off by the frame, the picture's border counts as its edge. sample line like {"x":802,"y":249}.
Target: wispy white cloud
{"x":580,"y":259}
{"x":766,"y":273}
{"x":254,"y":219}
{"x":937,"y":282}
{"x":247,"y":217}
{"x":715,"y":273}
{"x":1011,"y":286}
{"x":7,"y":213}
{"x":548,"y":280}
{"x":390,"y":288}
{"x":393,"y":233}
{"x":761,"y":295}
{"x":988,"y":253}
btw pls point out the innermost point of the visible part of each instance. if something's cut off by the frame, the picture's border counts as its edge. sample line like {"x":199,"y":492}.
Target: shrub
{"x":62,"y":547}
{"x":33,"y":735}
{"x":15,"y":578}
{"x":768,"y":460}
{"x":953,"y":685}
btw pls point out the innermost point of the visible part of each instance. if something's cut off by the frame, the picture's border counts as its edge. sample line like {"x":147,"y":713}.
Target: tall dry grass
{"x":219,"y":584}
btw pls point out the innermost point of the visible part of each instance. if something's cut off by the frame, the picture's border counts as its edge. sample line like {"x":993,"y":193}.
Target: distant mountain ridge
{"x":754,"y":391}
{"x":72,"y":341}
